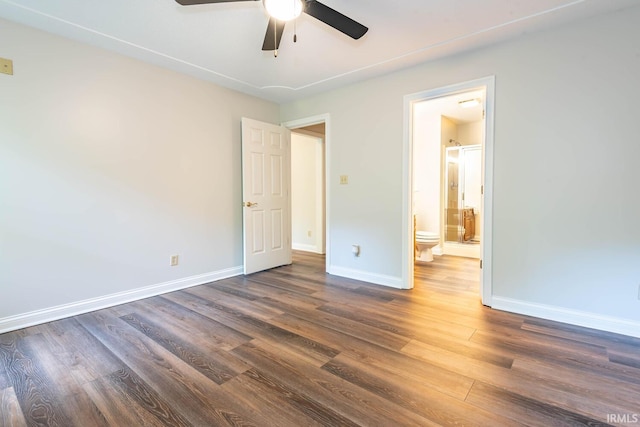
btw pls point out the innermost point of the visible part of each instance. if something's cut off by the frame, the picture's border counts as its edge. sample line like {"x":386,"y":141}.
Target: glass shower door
{"x":462,"y":193}
{"x":452,"y":195}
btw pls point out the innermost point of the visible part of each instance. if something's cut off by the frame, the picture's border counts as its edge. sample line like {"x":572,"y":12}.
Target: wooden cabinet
{"x":469,"y":224}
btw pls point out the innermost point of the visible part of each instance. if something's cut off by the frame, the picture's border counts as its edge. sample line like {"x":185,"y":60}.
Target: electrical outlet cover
{"x":6,"y":66}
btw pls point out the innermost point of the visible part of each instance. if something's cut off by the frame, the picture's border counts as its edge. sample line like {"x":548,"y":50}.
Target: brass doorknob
{"x":249,"y":204}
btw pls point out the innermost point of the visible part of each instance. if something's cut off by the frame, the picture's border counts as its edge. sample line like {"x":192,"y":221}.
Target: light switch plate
{"x":6,"y":66}
{"x":344,"y":179}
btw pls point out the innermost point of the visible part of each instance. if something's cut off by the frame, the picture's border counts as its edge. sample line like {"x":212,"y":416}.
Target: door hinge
{"x":480,"y":263}
{"x":483,"y":114}
{"x":482,"y":189}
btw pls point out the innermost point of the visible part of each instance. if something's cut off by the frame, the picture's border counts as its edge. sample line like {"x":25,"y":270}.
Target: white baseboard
{"x":467,"y":250}
{"x":378,"y":279}
{"x":50,"y":314}
{"x":305,"y":248}
{"x":564,"y":315}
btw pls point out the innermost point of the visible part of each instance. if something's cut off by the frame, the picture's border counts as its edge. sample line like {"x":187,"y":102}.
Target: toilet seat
{"x":427,"y":236}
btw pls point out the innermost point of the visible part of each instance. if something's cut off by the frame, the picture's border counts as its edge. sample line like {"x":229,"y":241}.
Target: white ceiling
{"x":222,"y":42}
{"x":449,"y":106}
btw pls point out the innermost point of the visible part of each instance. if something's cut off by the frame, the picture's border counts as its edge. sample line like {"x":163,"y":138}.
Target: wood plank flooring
{"x":296,"y":347}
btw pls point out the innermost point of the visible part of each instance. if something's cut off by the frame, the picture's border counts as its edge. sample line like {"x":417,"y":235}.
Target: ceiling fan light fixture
{"x":283,"y":10}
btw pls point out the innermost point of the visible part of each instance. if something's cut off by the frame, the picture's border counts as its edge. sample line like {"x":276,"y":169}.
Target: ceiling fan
{"x":281,"y":11}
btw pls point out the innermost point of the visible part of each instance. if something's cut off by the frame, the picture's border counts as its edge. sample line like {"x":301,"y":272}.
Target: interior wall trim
{"x":50,"y":314}
{"x":572,"y":317}
{"x":306,"y":248}
{"x":365,"y":276}
{"x":313,"y":120}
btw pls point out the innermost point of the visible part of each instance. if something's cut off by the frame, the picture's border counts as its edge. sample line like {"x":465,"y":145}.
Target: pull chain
{"x":295,"y":30}
{"x":275,"y":38}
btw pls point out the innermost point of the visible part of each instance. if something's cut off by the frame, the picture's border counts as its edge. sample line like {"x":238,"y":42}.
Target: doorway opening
{"x":309,"y":185}
{"x":448,"y":176}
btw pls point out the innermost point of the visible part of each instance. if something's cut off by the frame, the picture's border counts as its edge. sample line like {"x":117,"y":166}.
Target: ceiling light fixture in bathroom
{"x":469,"y":103}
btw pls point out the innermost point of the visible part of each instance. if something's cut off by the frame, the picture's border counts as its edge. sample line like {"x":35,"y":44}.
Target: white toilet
{"x":425,"y":240}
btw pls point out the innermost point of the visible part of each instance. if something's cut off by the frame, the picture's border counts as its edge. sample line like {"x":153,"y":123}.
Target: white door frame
{"x":314,"y":120}
{"x":486,"y":286}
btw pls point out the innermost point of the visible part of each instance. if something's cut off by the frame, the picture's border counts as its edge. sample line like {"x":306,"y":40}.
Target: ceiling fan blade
{"x":273,"y":35}
{"x":335,"y":19}
{"x":192,"y":2}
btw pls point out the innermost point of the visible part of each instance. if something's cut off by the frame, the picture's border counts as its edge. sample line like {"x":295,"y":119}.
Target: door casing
{"x":488,"y":83}
{"x":313,"y":120}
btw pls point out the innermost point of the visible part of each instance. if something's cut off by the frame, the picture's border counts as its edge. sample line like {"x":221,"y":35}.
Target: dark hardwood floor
{"x":296,"y":347}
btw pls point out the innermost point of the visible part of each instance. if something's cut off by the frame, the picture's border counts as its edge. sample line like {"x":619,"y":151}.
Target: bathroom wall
{"x":427,"y":171}
{"x":470,"y":133}
{"x":449,"y":130}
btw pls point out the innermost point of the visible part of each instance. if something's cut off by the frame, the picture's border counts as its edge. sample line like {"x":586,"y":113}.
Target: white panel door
{"x":266,"y":151}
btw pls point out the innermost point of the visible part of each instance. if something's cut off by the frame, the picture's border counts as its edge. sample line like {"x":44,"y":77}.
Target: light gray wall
{"x":566,"y":202}
{"x":107,"y":167}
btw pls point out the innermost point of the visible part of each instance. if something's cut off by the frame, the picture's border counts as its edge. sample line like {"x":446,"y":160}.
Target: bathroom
{"x":447,"y":175}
